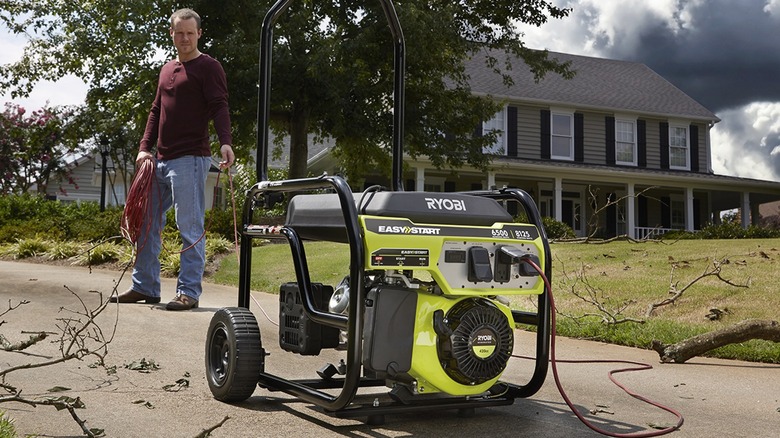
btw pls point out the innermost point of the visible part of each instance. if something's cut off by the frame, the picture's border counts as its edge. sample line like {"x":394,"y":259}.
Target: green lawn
{"x":624,"y":278}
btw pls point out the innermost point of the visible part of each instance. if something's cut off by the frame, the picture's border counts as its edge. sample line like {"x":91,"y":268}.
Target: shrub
{"x":63,"y":250}
{"x":170,"y":263}
{"x":216,"y":245}
{"x":556,"y":229}
{"x":101,"y":253}
{"x":30,"y":247}
{"x":725,"y":230}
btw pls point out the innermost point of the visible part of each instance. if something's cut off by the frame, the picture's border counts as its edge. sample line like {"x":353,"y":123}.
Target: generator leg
{"x":466,"y":412}
{"x":375,"y":420}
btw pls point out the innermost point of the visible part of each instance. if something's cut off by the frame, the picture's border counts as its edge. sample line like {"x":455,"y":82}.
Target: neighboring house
{"x":86,"y":173}
{"x":615,"y":132}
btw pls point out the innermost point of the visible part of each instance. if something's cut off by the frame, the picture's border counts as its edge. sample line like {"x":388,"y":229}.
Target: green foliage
{"x":216,"y":245}
{"x":220,"y":222}
{"x":7,"y":428}
{"x":330,"y":79}
{"x":170,"y":264}
{"x":104,"y":252}
{"x":28,"y":215}
{"x":557,"y":230}
{"x":30,"y":247}
{"x":725,"y":230}
{"x":64,"y":250}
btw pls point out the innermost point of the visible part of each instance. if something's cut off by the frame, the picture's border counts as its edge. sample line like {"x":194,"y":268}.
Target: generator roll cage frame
{"x":310,"y":390}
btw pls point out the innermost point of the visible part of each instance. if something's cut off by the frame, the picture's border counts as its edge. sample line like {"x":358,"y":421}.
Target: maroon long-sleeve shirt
{"x":189,"y":94}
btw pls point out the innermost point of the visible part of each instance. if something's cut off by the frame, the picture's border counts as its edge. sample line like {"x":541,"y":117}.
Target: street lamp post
{"x":104,"y":155}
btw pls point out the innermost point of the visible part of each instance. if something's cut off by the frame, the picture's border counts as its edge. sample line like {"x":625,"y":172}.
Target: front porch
{"x":611,"y":201}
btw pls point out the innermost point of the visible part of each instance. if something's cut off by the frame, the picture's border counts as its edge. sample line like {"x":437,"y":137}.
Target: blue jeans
{"x":179,"y":183}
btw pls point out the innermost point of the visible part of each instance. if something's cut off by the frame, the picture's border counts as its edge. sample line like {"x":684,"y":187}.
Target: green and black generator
{"x":425,"y":308}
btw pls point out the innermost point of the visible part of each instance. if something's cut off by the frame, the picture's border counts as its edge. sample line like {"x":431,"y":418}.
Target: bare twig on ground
{"x":713,"y":270}
{"x":207,"y":432}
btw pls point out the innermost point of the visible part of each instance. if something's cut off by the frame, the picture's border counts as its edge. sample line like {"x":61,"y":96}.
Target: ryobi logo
{"x":445,"y":204}
{"x":394,"y":229}
{"x":483,"y":343}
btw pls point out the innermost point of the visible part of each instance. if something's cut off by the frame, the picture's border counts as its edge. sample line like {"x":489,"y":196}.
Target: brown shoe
{"x":131,"y":296}
{"x":182,"y":302}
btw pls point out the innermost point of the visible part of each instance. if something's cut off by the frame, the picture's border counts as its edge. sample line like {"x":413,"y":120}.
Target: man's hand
{"x":142,"y":155}
{"x":228,"y":158}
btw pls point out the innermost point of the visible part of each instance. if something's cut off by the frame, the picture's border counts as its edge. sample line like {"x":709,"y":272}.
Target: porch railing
{"x":644,"y":233}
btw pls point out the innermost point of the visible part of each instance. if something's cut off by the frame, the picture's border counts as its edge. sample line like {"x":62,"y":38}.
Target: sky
{"x":723,"y":53}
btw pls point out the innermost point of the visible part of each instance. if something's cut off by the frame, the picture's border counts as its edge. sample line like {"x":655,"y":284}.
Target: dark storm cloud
{"x":724,"y":54}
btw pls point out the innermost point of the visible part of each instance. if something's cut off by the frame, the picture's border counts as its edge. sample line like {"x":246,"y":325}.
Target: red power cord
{"x":639,"y":367}
{"x":137,"y":204}
{"x":137,"y":208}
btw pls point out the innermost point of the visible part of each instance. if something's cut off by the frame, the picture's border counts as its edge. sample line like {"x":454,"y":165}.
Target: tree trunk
{"x":299,"y":142}
{"x":697,"y":345}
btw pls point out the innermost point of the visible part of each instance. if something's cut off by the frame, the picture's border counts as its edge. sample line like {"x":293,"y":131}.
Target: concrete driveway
{"x":716,"y":397}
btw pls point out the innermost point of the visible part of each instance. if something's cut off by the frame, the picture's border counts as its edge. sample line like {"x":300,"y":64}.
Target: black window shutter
{"x":478,"y":130}
{"x":664,"y":133}
{"x":609,"y":130}
{"x":511,"y":131}
{"x":696,"y":214}
{"x":546,"y":141}
{"x":449,"y":186}
{"x":694,"y":130}
{"x":579,"y":137}
{"x":641,"y":211}
{"x":641,"y":143}
{"x":666,"y":212}
{"x":410,"y":185}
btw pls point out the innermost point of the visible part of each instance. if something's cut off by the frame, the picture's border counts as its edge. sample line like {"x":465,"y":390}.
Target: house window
{"x":625,"y":142}
{"x":562,"y":131}
{"x":496,"y":125}
{"x":678,"y":147}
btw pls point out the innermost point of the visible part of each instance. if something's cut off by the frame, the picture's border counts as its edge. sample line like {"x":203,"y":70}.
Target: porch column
{"x":630,"y":211}
{"x":419,"y":179}
{"x":491,"y":180}
{"x":558,"y":199}
{"x":744,"y":211}
{"x":689,"y":209}
{"x":755,"y":214}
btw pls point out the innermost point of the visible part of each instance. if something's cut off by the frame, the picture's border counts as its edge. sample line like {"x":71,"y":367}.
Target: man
{"x":191,"y":91}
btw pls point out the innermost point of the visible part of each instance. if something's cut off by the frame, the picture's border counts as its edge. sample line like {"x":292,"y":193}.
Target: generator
{"x":425,"y":307}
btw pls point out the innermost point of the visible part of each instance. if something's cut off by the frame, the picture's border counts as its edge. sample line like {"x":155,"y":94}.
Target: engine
{"x":434,"y":343}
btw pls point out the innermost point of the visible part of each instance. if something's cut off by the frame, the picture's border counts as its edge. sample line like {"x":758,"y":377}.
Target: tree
{"x":33,"y":146}
{"x":332,"y":67}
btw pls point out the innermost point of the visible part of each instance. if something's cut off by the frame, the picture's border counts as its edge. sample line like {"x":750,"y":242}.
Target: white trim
{"x":674,"y":124}
{"x":500,"y":146}
{"x":570,"y":114}
{"x":632,"y":120}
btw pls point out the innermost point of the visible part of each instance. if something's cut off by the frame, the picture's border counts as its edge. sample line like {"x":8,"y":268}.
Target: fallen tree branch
{"x":744,"y":331}
{"x":6,"y":345}
{"x":676,"y":293}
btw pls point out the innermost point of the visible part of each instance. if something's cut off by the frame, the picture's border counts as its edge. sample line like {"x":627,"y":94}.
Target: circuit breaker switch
{"x":479,"y":265}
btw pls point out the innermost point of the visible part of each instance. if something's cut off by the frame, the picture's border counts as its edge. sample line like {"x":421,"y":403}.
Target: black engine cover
{"x":478,"y":344}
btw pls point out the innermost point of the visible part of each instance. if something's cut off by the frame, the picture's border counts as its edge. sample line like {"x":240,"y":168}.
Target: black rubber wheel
{"x":234,"y":354}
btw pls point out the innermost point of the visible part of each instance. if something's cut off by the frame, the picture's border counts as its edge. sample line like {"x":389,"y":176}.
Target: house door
{"x":571,"y":214}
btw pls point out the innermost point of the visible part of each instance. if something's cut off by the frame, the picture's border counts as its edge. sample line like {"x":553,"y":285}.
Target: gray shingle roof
{"x":599,"y":83}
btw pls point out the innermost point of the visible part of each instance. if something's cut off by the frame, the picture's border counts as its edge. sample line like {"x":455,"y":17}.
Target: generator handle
{"x":264,"y":89}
